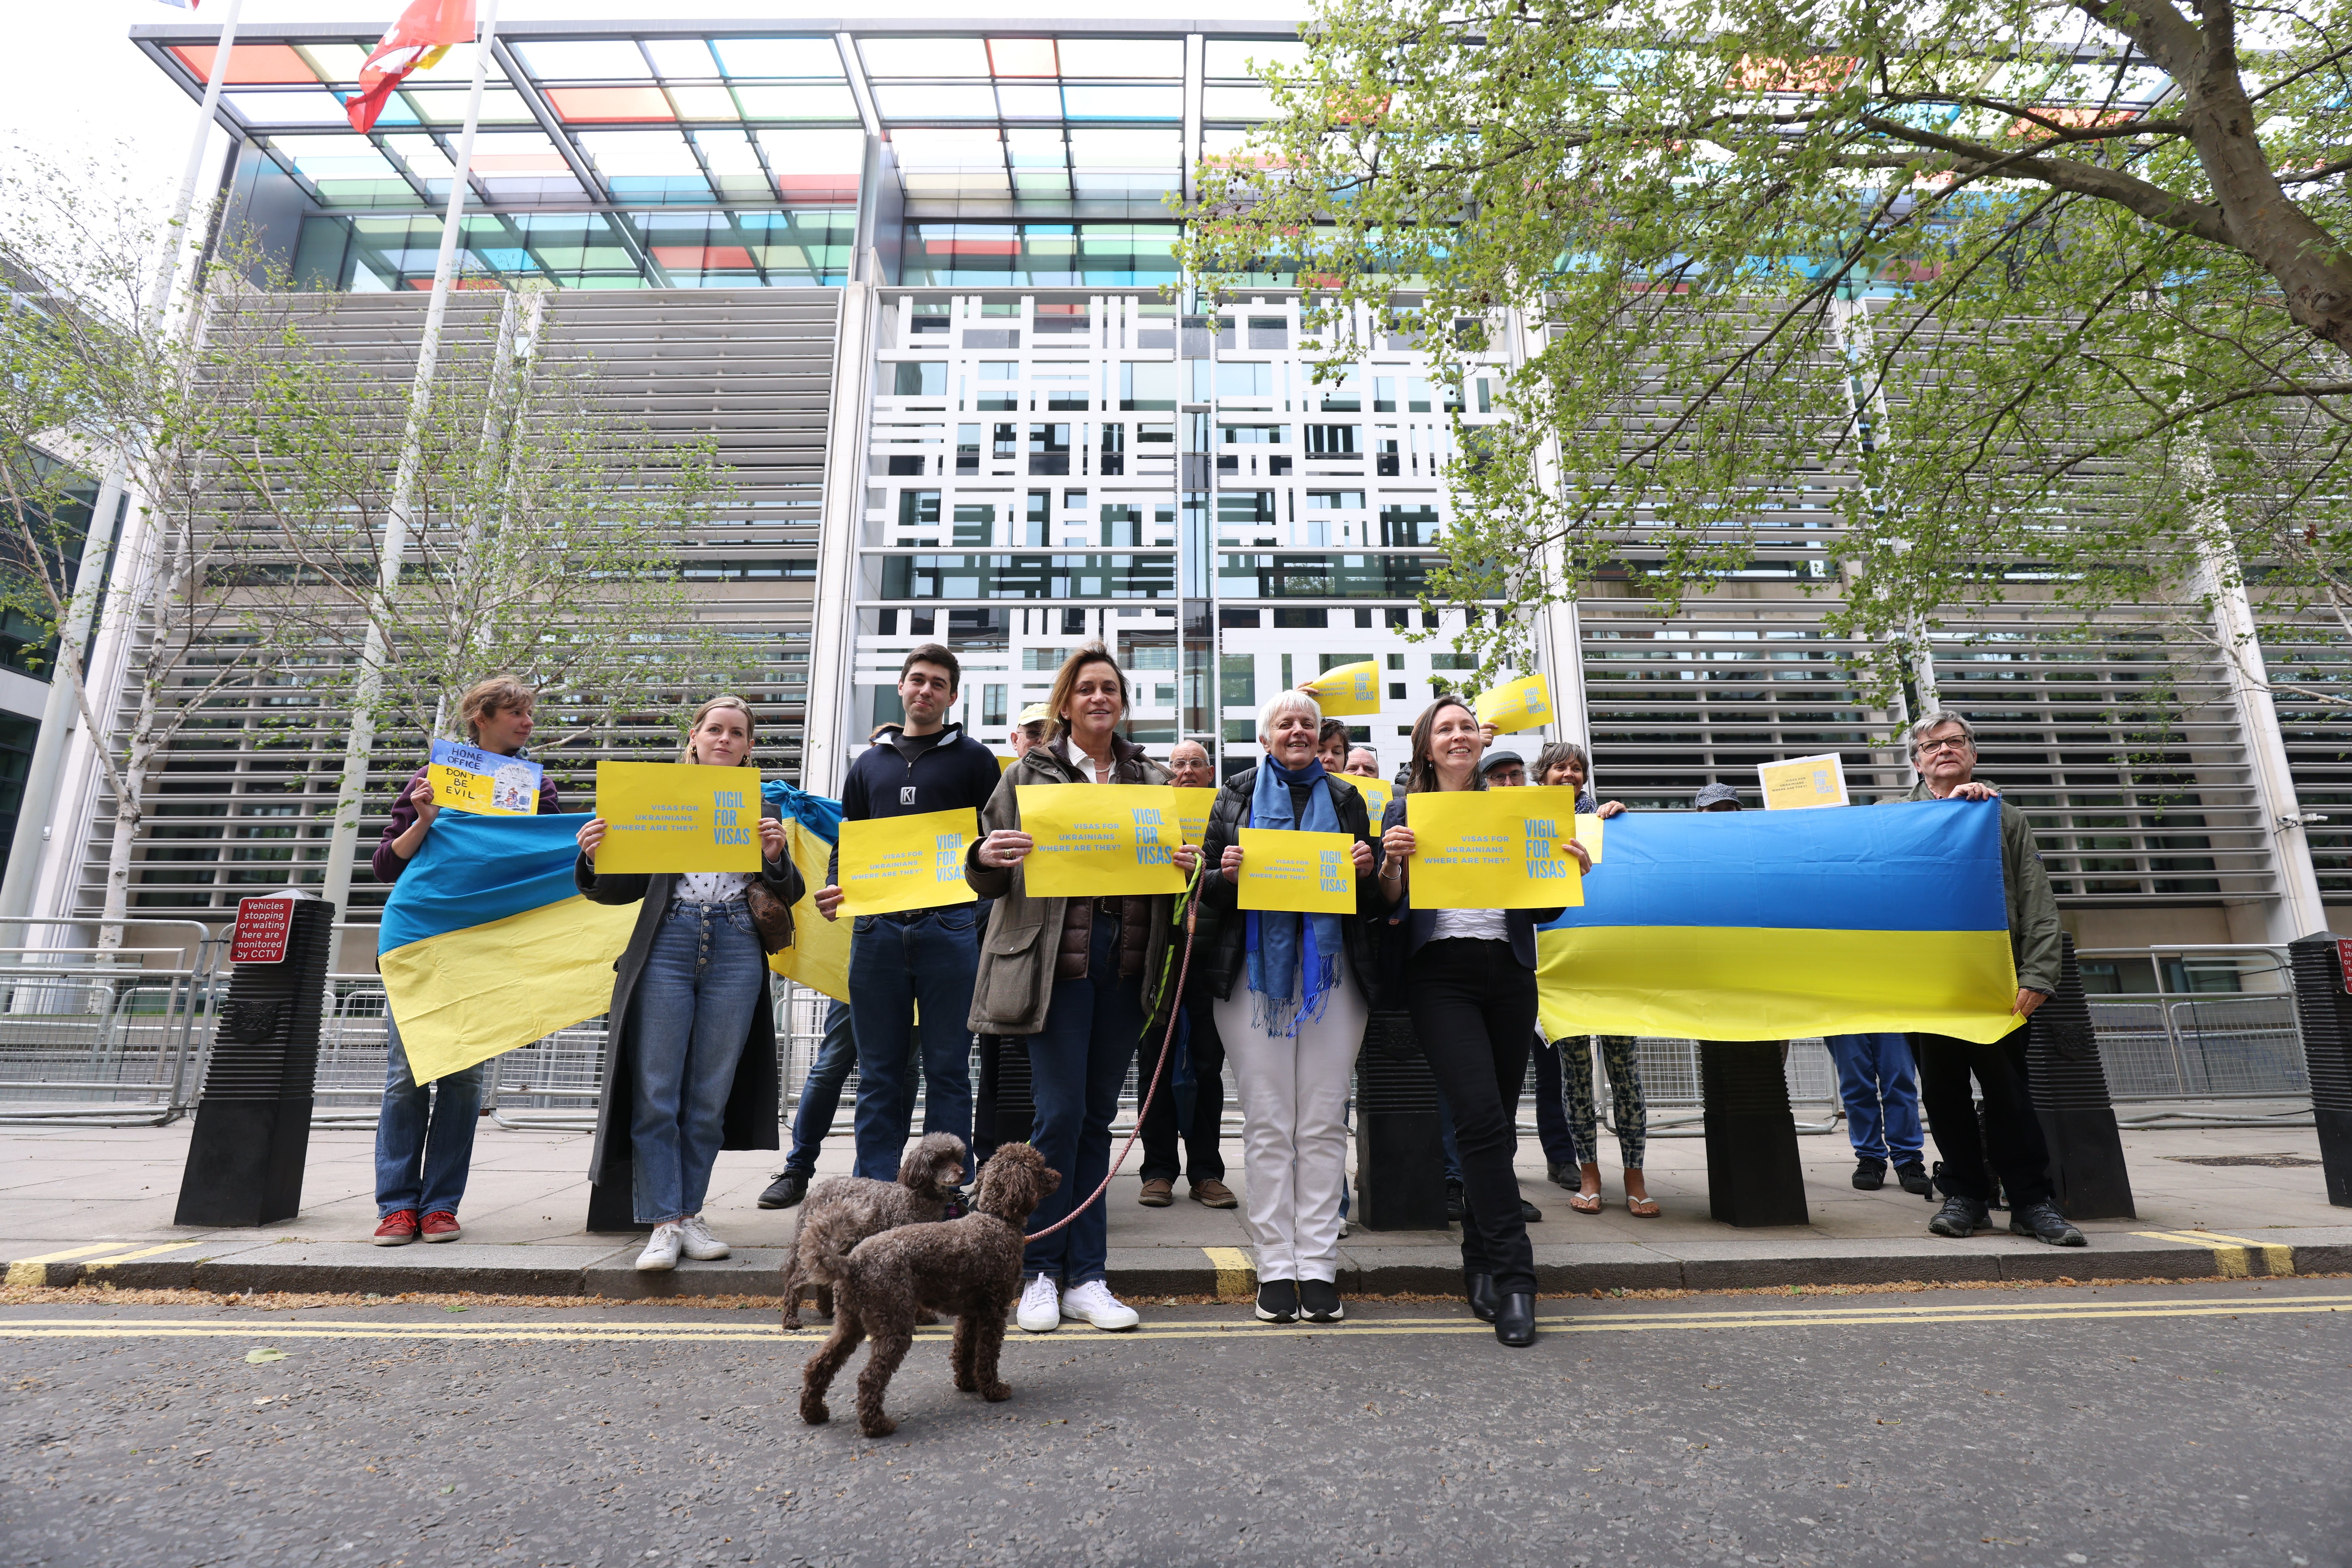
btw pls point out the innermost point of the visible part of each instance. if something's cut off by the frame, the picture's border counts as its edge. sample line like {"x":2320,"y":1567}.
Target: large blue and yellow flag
{"x":1774,"y":925}
{"x":486,"y":945}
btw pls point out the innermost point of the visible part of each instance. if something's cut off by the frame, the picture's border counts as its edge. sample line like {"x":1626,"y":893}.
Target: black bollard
{"x":612,"y":1205}
{"x":1753,"y":1175}
{"x":2070,"y":1096}
{"x":1400,"y":1159}
{"x":2322,"y":1013}
{"x":252,"y":1133}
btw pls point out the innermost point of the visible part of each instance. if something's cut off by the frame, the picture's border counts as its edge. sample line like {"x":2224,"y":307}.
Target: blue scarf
{"x":1273,"y":940}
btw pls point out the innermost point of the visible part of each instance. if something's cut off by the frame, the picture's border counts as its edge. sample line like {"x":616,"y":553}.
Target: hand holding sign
{"x":894,"y":863}
{"x":1309,"y":873}
{"x":1495,"y":849}
{"x":1098,"y":840}
{"x":1520,"y":704}
{"x":1347,"y":690}
{"x":675,"y":817}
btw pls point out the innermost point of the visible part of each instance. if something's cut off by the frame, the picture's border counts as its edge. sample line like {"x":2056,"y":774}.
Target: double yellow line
{"x":2233,"y":1256}
{"x":35,"y":1271}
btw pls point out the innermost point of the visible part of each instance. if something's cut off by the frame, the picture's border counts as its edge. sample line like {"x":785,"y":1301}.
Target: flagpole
{"x":343,"y":842}
{"x":37,"y":811}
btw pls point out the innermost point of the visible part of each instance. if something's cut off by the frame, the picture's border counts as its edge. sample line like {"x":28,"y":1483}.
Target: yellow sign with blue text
{"x":894,"y":863}
{"x":1376,"y":794}
{"x":1306,"y":873}
{"x":1494,"y":849}
{"x":677,"y":816}
{"x":1347,"y":690}
{"x":1099,"y":840}
{"x":1192,"y":804}
{"x":1802,"y":782}
{"x":1515,"y":705}
{"x":467,"y":778}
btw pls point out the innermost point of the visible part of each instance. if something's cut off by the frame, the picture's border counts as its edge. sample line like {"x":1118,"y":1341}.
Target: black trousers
{"x":1203,"y":1161}
{"x":1001,"y":1111}
{"x":2012,"y":1131}
{"x":1474,"y":1011}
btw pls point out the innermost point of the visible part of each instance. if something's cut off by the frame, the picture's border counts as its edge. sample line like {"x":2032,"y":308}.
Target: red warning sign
{"x":263,"y":925}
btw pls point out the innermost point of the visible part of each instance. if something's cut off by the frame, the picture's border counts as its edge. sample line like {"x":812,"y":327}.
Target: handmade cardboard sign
{"x":1099,"y":840}
{"x":894,"y":863}
{"x":677,"y":816}
{"x":467,"y":778}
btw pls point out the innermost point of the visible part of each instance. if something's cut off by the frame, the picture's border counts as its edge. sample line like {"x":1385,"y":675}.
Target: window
{"x":1049,"y":449}
{"x":1245,"y":508}
{"x":1256,"y":435}
{"x":1348,"y":398}
{"x":967,"y":449}
{"x":1335,"y":500}
{"x":1146,"y":385}
{"x":920,"y":378}
{"x":1269,"y":333}
{"x":1113,"y":462}
{"x":1237,"y":677}
{"x":1122,"y":525}
{"x":974,"y":524}
{"x":1040,"y":516}
{"x":1384,"y":394}
{"x":1006,"y":443}
{"x":919,"y":509}
{"x":1245,"y":379}
{"x":1385,"y":460}
{"x":1408,"y":527}
{"x":992,"y":705}
{"x":1332,"y":441}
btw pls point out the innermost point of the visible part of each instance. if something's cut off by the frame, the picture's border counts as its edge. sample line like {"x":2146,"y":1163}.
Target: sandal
{"x":1642,"y":1208}
{"x":1587,"y":1203}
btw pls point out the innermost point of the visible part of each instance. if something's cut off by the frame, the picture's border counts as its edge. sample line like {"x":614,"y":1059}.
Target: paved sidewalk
{"x":96,"y":1204}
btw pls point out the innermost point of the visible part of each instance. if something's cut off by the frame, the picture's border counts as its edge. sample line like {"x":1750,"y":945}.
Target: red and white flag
{"x":419,"y":39}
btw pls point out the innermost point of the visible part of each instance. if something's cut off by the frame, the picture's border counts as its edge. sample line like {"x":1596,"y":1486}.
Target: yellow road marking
{"x":1234,"y":1272}
{"x":36,"y":1271}
{"x":67,"y":1328}
{"x":142,"y":1252}
{"x":2233,"y":1256}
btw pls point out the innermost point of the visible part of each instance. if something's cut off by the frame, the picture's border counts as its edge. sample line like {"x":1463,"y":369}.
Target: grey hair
{"x":1933,"y":722}
{"x":1559,"y":752}
{"x":1292,"y":700}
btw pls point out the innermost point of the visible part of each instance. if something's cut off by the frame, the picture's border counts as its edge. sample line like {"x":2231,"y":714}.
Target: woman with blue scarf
{"x":1291,"y":998}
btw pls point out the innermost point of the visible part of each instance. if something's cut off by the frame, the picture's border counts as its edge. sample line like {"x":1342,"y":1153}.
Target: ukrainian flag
{"x":486,"y":945}
{"x":1774,"y":925}
{"x":819,"y":956}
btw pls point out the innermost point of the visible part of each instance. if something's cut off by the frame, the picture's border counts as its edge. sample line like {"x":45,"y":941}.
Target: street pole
{"x":37,"y":809}
{"x":343,"y":843}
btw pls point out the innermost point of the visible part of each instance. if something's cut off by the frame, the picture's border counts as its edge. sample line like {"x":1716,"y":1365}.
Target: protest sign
{"x":1520,"y":704}
{"x":1311,"y":873}
{"x":1588,"y":832}
{"x":1494,"y":849}
{"x":1347,"y":690}
{"x":677,"y":816}
{"x":467,"y":778}
{"x":1799,"y":781}
{"x":1099,"y":840}
{"x":1376,"y":794}
{"x":894,"y":863}
{"x":1193,"y":811}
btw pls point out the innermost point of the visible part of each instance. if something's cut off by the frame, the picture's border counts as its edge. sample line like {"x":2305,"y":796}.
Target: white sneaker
{"x":1092,"y":1303}
{"x":700,"y":1245}
{"x":1041,"y":1307}
{"x":662,"y":1246}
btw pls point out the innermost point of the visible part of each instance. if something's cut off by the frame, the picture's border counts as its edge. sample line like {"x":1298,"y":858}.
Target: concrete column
{"x":833,"y":624}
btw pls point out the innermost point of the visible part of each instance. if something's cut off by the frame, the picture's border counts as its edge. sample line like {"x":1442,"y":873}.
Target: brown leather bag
{"x":770,"y":917}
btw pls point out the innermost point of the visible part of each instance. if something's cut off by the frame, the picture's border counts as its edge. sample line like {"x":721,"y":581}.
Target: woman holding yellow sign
{"x":691,"y":1069}
{"x":1290,"y":967}
{"x":1080,"y":973}
{"x":1470,"y":985}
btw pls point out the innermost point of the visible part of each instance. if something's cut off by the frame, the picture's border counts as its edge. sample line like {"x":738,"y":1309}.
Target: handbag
{"x":770,"y":918}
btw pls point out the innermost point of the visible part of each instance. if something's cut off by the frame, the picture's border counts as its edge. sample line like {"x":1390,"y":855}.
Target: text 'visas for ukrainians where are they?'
{"x":1286,"y":868}
{"x":677,"y":816}
{"x":1494,"y":849}
{"x":1099,"y":840}
{"x":890,"y":864}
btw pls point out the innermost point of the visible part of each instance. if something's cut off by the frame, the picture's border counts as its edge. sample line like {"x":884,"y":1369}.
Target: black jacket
{"x":897,"y":777}
{"x":750,"y":1118}
{"x":1416,"y":927}
{"x":1218,"y":963}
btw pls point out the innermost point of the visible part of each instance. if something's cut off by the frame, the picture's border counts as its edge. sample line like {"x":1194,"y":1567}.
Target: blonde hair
{"x":487,"y":699}
{"x":1065,"y":682}
{"x":751,"y":726}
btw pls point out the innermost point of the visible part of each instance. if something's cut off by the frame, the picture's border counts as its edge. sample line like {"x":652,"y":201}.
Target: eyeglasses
{"x":1947,"y":744}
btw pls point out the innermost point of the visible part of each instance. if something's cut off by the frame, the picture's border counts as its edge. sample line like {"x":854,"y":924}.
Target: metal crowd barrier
{"x":103,"y":1037}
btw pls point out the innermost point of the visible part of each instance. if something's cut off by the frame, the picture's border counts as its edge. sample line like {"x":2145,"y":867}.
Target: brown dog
{"x":841,"y":1213}
{"x":970,"y":1267}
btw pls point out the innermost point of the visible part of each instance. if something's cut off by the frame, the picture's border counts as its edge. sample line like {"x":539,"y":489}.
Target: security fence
{"x":100,"y":1036}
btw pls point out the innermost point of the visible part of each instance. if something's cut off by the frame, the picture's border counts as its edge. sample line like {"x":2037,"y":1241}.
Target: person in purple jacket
{"x":425,"y":1136}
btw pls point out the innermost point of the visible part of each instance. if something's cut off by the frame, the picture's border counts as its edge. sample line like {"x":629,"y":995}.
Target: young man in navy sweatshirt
{"x":924,"y":958}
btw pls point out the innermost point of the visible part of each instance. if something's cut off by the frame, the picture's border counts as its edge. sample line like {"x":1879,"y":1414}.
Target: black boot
{"x":1914,"y":1177}
{"x":1960,"y":1217}
{"x":788,"y":1189}
{"x":1481,"y":1291}
{"x":1515,"y":1320}
{"x":1454,"y":1202}
{"x":2042,"y":1221}
{"x":1869,"y":1176}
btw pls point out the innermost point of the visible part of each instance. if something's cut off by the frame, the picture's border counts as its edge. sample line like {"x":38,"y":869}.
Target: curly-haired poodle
{"x":841,"y":1213}
{"x":970,"y":1267}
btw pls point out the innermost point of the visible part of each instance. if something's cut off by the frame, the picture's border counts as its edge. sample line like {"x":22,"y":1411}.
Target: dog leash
{"x":1166,"y":1045}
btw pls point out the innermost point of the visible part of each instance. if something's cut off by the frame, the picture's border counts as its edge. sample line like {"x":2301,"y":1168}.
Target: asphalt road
{"x":2200,"y":1424}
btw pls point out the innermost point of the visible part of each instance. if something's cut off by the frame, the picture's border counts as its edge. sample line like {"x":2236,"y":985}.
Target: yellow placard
{"x":1193,"y":803}
{"x":1494,"y":849}
{"x":1099,"y":840}
{"x":1588,"y":832}
{"x":894,"y":863}
{"x":1801,"y":782}
{"x":677,"y":816}
{"x":467,"y":778}
{"x":1519,"y":704}
{"x":1347,"y":690}
{"x":1309,"y":873}
{"x":1376,"y":794}
{"x":819,"y":956}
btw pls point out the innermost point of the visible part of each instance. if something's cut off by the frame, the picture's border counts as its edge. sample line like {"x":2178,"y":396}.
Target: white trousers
{"x":1293,"y":1095}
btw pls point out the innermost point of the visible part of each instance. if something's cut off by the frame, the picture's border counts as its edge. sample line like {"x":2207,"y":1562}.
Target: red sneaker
{"x":398,"y":1229}
{"x":440,"y":1225}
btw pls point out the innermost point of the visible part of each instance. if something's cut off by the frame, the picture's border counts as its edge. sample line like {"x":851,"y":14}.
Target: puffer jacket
{"x":1218,"y":961}
{"x":1020,"y":957}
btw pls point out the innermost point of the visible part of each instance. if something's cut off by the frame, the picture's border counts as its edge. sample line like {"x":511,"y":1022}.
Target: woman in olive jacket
{"x":1081,"y":978}
{"x":690,"y":1068}
{"x":1293,"y":992}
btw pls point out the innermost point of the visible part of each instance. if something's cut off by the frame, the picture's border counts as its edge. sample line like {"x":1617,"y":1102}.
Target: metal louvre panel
{"x":232,"y":808}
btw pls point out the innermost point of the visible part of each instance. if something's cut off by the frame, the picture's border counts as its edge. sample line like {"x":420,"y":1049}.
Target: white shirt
{"x":1474,"y":925}
{"x":710,"y":887}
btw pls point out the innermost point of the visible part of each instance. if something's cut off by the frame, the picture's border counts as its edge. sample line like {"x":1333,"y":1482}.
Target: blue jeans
{"x":1881,"y":1092}
{"x":693,"y":1007}
{"x":424,"y":1135}
{"x":821,"y":1095}
{"x":1076,"y":1064}
{"x":924,"y":958}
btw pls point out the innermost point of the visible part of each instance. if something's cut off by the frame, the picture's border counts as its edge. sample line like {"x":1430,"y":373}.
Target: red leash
{"x":1167,"y":1044}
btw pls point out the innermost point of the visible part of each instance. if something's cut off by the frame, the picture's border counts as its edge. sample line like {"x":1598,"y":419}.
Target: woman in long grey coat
{"x":691,"y":1068}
